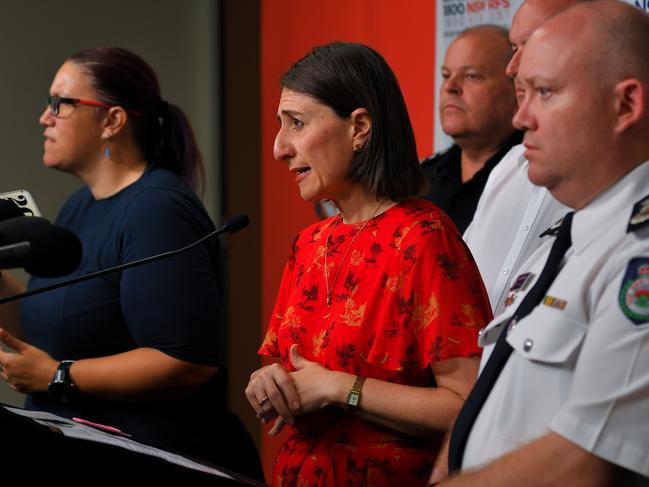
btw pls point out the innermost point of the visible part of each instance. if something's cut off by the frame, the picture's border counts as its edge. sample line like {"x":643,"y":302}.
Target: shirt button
{"x":512,"y":324}
{"x":527,"y":345}
{"x":506,"y":272}
{"x":526,"y":228}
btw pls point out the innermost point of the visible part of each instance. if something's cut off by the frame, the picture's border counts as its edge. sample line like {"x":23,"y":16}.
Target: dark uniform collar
{"x":448,"y":160}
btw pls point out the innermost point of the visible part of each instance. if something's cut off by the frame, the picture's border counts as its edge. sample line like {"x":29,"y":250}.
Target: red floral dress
{"x":408,"y":294}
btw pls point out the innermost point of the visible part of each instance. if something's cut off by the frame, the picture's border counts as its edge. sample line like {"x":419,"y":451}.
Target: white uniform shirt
{"x":510,"y":216}
{"x":580,"y":364}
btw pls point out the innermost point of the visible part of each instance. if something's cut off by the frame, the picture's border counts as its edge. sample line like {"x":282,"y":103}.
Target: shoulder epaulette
{"x":639,"y":215}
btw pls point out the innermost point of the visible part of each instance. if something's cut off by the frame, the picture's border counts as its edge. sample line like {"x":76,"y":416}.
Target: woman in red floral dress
{"x":376,"y":320}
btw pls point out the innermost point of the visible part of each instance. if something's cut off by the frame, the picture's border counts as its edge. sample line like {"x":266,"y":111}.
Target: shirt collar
{"x":611,"y":209}
{"x":514,"y":140}
{"x":518,"y":151}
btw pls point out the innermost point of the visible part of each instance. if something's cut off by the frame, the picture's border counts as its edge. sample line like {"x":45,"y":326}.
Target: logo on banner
{"x":457,"y":15}
{"x":480,"y":5}
{"x":451,"y":9}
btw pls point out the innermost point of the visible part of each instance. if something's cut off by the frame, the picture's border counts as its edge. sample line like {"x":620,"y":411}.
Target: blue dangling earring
{"x":107,"y":151}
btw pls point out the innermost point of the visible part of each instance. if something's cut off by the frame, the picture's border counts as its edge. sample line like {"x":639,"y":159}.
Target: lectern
{"x":38,"y":446}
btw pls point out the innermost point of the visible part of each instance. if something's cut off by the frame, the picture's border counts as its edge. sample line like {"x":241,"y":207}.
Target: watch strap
{"x":64,"y":368}
{"x":62,"y":373}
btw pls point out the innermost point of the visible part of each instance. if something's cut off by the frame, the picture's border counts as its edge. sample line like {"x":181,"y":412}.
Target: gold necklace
{"x":340,"y":266}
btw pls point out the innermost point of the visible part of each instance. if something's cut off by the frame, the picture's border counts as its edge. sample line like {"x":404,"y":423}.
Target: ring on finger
{"x":263,"y":400}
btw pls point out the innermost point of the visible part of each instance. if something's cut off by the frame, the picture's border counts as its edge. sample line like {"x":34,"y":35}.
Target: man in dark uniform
{"x":477,"y":102}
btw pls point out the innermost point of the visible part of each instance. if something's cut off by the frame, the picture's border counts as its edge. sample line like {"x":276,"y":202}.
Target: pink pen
{"x":104,"y":427}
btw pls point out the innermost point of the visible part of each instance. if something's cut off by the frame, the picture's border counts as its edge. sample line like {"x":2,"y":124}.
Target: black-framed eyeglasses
{"x":55,"y":101}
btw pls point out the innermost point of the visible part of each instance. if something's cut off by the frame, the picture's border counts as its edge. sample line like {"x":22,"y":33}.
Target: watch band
{"x":63,"y":370}
{"x":61,"y":387}
{"x":354,"y":396}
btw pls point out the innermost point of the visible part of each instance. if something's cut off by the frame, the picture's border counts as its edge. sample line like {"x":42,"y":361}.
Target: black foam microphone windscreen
{"x":17,"y":229}
{"x":237,"y":222}
{"x":53,"y":251}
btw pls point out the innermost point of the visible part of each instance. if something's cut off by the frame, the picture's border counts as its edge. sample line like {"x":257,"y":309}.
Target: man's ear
{"x":114,"y":122}
{"x":630,"y":100}
{"x":361,"y":126}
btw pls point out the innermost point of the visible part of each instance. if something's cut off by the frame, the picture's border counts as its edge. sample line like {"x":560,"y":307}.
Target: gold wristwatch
{"x":354,"y":396}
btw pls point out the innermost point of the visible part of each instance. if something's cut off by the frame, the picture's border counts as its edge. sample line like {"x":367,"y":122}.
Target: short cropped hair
{"x":346,"y":76}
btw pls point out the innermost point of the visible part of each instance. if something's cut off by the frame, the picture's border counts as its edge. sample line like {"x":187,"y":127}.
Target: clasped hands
{"x":29,"y":369}
{"x":276,"y":393}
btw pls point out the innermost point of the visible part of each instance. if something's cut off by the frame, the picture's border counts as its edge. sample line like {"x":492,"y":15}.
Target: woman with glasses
{"x":376,"y":319}
{"x":139,"y":350}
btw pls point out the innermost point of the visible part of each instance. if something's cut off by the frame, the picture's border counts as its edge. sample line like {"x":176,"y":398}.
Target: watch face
{"x":352,"y":400}
{"x":60,"y":390}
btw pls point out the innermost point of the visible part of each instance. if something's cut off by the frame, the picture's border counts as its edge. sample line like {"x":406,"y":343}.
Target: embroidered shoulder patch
{"x":634,"y":293}
{"x":639,"y":215}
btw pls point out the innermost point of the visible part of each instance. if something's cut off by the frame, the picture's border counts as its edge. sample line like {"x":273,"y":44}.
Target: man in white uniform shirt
{"x":570,"y":406}
{"x":512,"y":212}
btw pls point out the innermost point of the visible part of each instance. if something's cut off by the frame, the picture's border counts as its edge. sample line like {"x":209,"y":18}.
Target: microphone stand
{"x":233,"y":225}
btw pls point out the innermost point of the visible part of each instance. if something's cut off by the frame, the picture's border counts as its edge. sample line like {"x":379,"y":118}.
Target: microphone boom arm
{"x":235,"y":224}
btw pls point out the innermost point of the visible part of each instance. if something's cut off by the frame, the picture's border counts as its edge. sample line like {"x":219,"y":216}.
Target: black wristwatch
{"x":61,"y":388}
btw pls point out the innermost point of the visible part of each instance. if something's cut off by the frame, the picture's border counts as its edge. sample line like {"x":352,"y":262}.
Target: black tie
{"x":502,"y":350}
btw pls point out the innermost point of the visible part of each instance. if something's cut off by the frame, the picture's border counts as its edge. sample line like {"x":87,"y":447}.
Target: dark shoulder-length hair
{"x":346,"y":76}
{"x":162,"y":131}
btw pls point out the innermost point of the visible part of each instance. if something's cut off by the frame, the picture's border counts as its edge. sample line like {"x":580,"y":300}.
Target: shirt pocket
{"x":538,"y":377}
{"x":548,"y":336}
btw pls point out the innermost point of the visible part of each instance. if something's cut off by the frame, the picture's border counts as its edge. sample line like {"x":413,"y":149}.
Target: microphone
{"x":14,"y":255}
{"x":234,"y":224}
{"x":42,"y":249}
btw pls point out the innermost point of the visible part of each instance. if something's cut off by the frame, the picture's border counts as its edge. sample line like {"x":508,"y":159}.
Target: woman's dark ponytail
{"x":178,"y":146}
{"x":161,"y":129}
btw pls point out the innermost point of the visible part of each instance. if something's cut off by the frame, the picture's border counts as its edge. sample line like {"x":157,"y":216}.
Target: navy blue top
{"x":173,"y":305}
